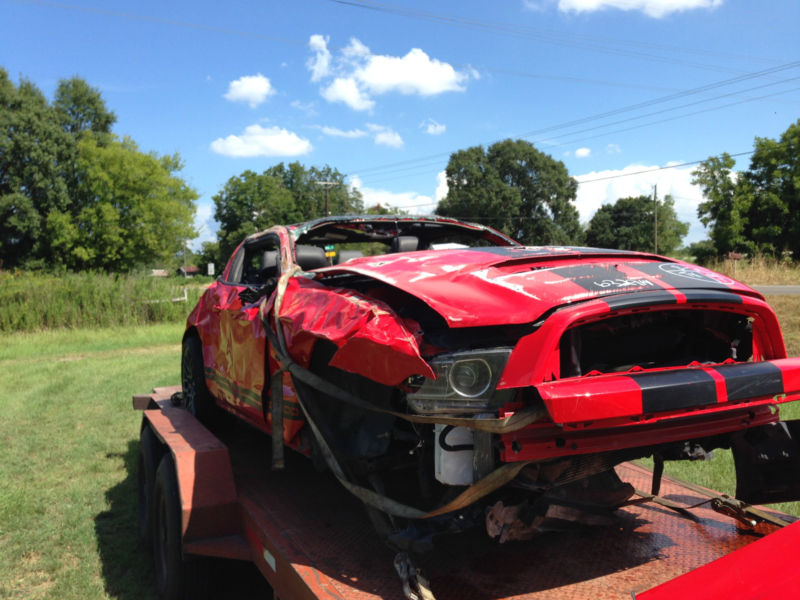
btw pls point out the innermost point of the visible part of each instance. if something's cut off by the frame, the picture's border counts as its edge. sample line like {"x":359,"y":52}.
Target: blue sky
{"x":386,"y":90}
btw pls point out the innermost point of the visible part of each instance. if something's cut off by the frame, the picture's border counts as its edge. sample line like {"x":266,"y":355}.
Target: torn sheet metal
{"x":506,"y":286}
{"x":373,"y":340}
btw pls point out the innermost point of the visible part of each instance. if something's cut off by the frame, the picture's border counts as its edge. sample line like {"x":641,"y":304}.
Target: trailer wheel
{"x":197,"y":398}
{"x":177,"y":577}
{"x":149,"y":456}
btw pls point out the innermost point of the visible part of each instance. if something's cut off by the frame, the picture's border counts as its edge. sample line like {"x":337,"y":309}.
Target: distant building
{"x":159,"y":273}
{"x":189,"y":271}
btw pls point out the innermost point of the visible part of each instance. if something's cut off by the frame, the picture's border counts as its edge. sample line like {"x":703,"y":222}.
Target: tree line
{"x":755,"y":211}
{"x":74,"y":195}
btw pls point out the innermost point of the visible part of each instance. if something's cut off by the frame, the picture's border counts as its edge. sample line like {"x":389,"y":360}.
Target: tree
{"x":726,"y":207}
{"x":249,"y":203}
{"x":80,"y":107}
{"x":209,"y":253}
{"x":309,"y":196}
{"x":515,"y":188}
{"x":74,"y":195}
{"x":130,"y":209}
{"x":34,"y":152}
{"x":773,"y":183}
{"x":757,"y":210}
{"x":253,"y":202}
{"x":628,"y":224}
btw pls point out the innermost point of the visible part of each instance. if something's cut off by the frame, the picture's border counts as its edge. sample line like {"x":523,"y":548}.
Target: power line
{"x":550,"y":36}
{"x":655,"y":169}
{"x":584,"y":139}
{"x":599,"y":116}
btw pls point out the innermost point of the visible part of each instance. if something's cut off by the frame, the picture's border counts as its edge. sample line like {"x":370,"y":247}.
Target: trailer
{"x":205,"y":495}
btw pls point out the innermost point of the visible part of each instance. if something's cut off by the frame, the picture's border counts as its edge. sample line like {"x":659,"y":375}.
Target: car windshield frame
{"x":383,"y":228}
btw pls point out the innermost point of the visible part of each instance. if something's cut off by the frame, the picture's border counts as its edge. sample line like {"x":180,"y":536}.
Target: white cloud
{"x":262,"y":141}
{"x":613,"y":149}
{"x":413,"y":202}
{"x":606,"y":187}
{"x":441,"y":186}
{"x":205,"y":226}
{"x":431,"y":127}
{"x":652,"y":8}
{"x":320,"y":63}
{"x":355,"y":49}
{"x":346,"y":90}
{"x":414,"y":73}
{"x":385,"y":136}
{"x":306,"y":107}
{"x":334,"y":132}
{"x":253,"y":89}
{"x":358,"y":74}
{"x":583,"y":152}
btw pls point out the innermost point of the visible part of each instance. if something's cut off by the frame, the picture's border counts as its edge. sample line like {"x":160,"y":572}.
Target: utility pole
{"x":655,"y":219}
{"x":327,"y":185}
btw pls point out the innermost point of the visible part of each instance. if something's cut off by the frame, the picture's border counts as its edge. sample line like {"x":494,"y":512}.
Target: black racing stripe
{"x":679,"y":276}
{"x":751,"y":380}
{"x":711,"y":296}
{"x":672,"y":390}
{"x":639,"y":299}
{"x":602,"y":279}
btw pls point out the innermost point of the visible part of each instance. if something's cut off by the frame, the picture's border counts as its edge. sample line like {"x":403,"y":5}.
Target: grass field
{"x":69,"y":440}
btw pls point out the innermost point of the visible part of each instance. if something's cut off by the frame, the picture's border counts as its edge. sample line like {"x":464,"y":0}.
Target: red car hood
{"x":503,"y":286}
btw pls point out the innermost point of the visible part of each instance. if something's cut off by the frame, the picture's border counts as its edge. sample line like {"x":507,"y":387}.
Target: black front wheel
{"x":196,"y":397}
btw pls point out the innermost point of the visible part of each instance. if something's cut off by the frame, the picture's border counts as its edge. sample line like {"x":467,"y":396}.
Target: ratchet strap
{"x":493,"y":481}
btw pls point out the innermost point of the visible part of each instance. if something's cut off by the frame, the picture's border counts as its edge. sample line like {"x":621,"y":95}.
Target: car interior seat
{"x":269,"y":264}
{"x":310,"y":257}
{"x":404,"y":243}
{"x":345,"y":255}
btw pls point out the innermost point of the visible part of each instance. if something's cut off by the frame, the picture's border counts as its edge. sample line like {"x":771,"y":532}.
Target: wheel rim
{"x":189,"y":391}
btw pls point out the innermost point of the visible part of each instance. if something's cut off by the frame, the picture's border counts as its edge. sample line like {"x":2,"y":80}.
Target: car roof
{"x":382,"y":228}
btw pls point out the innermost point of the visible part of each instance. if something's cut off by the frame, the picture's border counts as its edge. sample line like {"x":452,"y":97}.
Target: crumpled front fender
{"x":372,"y":340}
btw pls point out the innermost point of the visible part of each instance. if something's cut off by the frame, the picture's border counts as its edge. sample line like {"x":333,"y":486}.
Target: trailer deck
{"x":312,"y":540}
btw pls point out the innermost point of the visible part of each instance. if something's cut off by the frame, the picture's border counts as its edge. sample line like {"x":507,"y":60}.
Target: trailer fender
{"x":209,"y":507}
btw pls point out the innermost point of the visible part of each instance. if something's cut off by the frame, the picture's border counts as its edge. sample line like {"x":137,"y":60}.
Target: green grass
{"x":69,"y":438}
{"x":38,"y":301}
{"x":69,"y":441}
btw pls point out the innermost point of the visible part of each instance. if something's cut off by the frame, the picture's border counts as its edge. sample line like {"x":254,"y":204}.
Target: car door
{"x":240,"y":376}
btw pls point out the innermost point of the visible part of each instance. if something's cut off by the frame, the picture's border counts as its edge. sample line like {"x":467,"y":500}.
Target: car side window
{"x":235,"y":274}
{"x":260,"y":262}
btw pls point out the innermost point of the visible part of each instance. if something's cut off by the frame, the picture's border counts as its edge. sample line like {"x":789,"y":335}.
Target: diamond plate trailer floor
{"x":312,"y":540}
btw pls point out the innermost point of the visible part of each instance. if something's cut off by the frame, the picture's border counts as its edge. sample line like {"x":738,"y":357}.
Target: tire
{"x":150,"y":452}
{"x":196,"y":397}
{"x":177,"y":577}
{"x":167,"y":550}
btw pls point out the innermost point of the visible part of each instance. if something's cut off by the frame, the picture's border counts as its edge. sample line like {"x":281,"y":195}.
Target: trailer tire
{"x":150,"y":452}
{"x":177,"y":577}
{"x":196,"y":397}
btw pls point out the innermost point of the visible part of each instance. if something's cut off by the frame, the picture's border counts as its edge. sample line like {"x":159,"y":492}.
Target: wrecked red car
{"x":449,"y":376}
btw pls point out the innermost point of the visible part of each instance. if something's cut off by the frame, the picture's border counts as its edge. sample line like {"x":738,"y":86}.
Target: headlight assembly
{"x":465,"y":382}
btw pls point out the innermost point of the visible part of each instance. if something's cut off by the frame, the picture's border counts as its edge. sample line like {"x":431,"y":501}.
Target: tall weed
{"x":759,"y":270}
{"x":36,"y":301}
